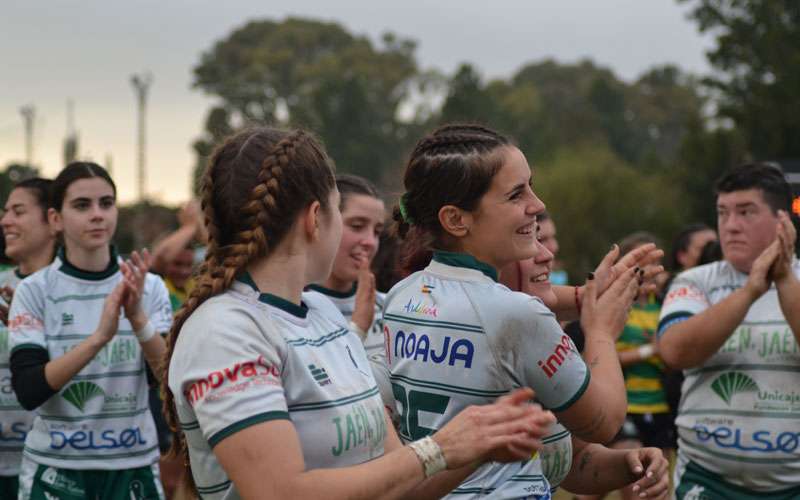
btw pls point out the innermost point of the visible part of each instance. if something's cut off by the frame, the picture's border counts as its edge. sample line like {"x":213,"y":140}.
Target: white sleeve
{"x":684,"y":299}
{"x":229,"y":374}
{"x":26,"y":318}
{"x":536,"y":352}
{"x":157,"y":305}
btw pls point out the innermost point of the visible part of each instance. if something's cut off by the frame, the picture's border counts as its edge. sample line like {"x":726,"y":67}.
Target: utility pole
{"x":141,"y":84}
{"x":71,"y":140}
{"x":28,"y":113}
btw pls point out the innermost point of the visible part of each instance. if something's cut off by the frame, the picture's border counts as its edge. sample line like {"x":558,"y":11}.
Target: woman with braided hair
{"x":82,"y":329}
{"x":270,"y":393}
{"x":457,"y":337}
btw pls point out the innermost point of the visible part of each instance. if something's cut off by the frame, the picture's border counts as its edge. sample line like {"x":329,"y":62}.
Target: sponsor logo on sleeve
{"x":25,"y":320}
{"x":237,"y":378}
{"x":551,"y":365}
{"x":685,"y":292}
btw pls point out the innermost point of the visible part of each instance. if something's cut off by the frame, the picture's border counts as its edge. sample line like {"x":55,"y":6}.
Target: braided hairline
{"x":217,"y":273}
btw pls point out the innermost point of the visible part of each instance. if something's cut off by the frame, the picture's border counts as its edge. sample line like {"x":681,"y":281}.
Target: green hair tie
{"x":403,"y":211}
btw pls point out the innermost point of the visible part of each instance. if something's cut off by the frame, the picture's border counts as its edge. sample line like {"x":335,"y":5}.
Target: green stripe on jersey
{"x":92,"y":457}
{"x":94,"y":416}
{"x":448,"y":388}
{"x":555,"y":437}
{"x":319,"y":405}
{"x":247,"y":422}
{"x":189,"y":426}
{"x":214,"y":488}
{"x":100,"y":376}
{"x":319,"y":341}
{"x":578,"y":394}
{"x":448,"y":325}
{"x":66,"y":298}
{"x":741,"y":413}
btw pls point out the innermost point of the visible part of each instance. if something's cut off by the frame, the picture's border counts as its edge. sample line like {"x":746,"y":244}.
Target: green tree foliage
{"x":12,"y":174}
{"x":757,"y":58}
{"x":596,"y":198}
{"x":313,"y":74}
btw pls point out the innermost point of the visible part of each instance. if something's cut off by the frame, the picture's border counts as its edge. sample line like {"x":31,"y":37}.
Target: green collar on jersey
{"x":333,"y":293}
{"x":456,"y":259}
{"x":300,"y":311}
{"x":110,"y":270}
{"x":19,"y":274}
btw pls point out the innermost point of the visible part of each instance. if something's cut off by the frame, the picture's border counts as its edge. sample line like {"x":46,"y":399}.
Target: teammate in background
{"x":272,"y":392}
{"x":363,"y":215}
{"x":81,"y":330}
{"x":687,"y":246}
{"x":31,"y":244}
{"x":191,"y":232}
{"x":455,"y":337}
{"x":648,"y":422}
{"x":578,"y":466}
{"x":547,"y":233}
{"x":687,"y":251}
{"x":733,"y":327}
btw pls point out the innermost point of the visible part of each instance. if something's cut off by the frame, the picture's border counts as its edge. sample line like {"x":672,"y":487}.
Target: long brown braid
{"x":453,"y":165}
{"x":255,"y":184}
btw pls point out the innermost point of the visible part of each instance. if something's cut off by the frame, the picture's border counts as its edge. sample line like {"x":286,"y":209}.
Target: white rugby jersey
{"x":456,"y":338}
{"x":739,"y":414}
{"x":346,"y":303}
{"x":15,"y":422}
{"x":244,"y":358}
{"x":101,"y":418}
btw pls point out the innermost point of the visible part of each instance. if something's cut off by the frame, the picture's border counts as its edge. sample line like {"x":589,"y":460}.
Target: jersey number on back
{"x":414,"y":402}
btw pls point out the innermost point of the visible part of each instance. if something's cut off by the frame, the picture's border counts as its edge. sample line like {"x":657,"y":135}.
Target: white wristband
{"x":645,"y":351}
{"x":145,"y":333}
{"x":430,"y":454}
{"x":355,"y":328}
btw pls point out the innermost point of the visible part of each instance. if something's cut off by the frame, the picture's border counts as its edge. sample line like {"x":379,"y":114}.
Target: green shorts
{"x":698,"y":483}
{"x":9,"y":485}
{"x":42,"y":482}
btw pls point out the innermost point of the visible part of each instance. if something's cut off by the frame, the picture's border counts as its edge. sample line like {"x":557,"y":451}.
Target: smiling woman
{"x":363,"y":215}
{"x":470,"y":200}
{"x":29,"y":243}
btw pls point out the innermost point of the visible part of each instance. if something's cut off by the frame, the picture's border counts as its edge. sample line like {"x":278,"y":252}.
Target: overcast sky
{"x":55,"y":50}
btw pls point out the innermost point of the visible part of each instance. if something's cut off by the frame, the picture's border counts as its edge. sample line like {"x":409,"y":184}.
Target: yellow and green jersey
{"x":643,"y":380}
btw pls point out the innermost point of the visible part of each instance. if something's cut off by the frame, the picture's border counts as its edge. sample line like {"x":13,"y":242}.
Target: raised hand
{"x":109,"y":318}
{"x":645,"y":257}
{"x":507,"y":431}
{"x":787,"y":236}
{"x":760,"y":277}
{"x":7,"y":294}
{"x":134,"y":272}
{"x":364,"y":309}
{"x":652,"y":469}
{"x":607,"y":314}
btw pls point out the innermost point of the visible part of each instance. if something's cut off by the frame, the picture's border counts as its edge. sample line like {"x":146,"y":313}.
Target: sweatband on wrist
{"x":145,"y":333}
{"x":645,"y":351}
{"x":430,"y":454}
{"x":355,"y":328}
